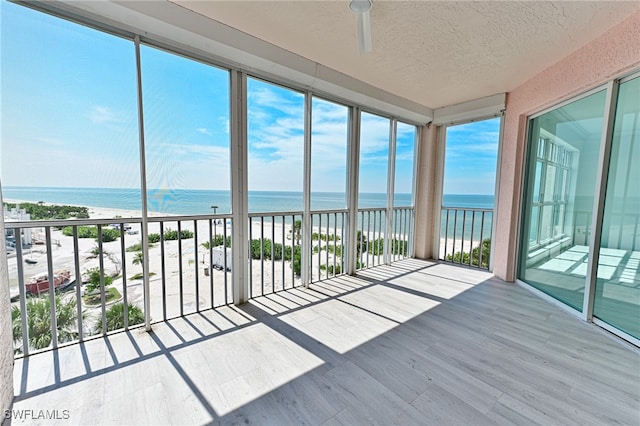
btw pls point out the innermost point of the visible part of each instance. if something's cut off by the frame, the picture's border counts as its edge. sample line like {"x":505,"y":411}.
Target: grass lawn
{"x":94,"y":299}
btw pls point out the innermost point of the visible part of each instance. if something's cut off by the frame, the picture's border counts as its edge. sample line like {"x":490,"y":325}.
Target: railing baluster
{"x":180,"y":267}
{"x":446,"y":235}
{"x":455,"y":225}
{"x":273,"y":254}
{"x":293,"y":244}
{"x":164,"y":274}
{"x":407,"y":221}
{"x":250,"y":257}
{"x":76,"y":261}
{"x":473,"y":220}
{"x":319,"y":246}
{"x":211,"y":236}
{"x":22,"y":291}
{"x":481,"y":241}
{"x":282,"y":256}
{"x":224,"y":256}
{"x":261,"y":255}
{"x":125,"y":300}
{"x":335,"y":237}
{"x":464,"y":221}
{"x":102,"y":281}
{"x":195,"y":261}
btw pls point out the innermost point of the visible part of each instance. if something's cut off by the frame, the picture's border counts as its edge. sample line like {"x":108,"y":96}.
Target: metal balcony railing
{"x":375,"y":246}
{"x":96,"y":266}
{"x":465,"y":236}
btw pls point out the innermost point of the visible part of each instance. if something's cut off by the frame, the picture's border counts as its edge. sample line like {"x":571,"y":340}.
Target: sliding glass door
{"x":570,"y":150}
{"x":561,"y":177}
{"x":617,"y":295}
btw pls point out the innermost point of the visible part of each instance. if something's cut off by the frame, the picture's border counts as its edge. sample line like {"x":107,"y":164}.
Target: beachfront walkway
{"x":414,"y":343}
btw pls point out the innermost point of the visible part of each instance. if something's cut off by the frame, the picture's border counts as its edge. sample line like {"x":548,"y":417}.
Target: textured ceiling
{"x":435,"y":53}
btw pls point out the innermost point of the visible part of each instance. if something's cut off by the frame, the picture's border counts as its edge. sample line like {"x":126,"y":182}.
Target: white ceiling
{"x":435,"y":53}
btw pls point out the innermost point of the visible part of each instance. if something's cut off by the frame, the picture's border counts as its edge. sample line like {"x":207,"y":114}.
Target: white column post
{"x":389,"y":229}
{"x":143,"y":190}
{"x":352,"y":189}
{"x":306,"y":194}
{"x":239,"y":189}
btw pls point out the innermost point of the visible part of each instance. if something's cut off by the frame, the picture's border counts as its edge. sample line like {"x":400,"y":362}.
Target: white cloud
{"x":204,"y":131}
{"x":101,"y":114}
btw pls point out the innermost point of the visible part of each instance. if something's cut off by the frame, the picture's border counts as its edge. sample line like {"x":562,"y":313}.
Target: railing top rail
{"x":263,"y":214}
{"x":403,"y":207}
{"x":372,"y":209}
{"x":188,"y":217}
{"x":329,"y":211}
{"x":106,"y":221}
{"x":469,"y":209}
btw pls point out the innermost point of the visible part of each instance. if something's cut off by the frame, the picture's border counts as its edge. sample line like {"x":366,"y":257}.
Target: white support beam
{"x":306,"y":215}
{"x":143,"y":193}
{"x":239,"y":189}
{"x":389,"y":229}
{"x":353,"y":170}
{"x":477,"y":109}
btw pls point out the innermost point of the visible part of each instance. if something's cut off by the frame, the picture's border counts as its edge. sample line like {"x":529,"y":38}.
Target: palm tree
{"x":115,"y":317}
{"x":138,"y":259}
{"x":39,"y":321}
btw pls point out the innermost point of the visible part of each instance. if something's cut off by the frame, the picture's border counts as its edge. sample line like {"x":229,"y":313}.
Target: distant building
{"x":16,"y":214}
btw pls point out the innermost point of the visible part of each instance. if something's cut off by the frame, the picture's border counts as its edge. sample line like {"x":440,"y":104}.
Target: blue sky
{"x":470,"y":157}
{"x":69,"y":119}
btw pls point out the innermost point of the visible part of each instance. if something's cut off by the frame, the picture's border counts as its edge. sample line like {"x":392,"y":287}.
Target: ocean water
{"x":193,"y":202}
{"x":185,"y":202}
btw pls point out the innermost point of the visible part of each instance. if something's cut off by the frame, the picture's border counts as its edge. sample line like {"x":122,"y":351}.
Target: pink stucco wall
{"x":610,"y":55}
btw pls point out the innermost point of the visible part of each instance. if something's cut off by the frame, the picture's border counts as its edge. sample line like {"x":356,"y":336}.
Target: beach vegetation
{"x":297,"y":231}
{"x":93,"y":276}
{"x":266,"y":249}
{"x":362,"y":243}
{"x":139,"y":276}
{"x":332,"y":271}
{"x":115,"y":317}
{"x":376,"y":247}
{"x":154,"y":238}
{"x":39,"y":321}
{"x":171,"y":234}
{"x":108,"y":234}
{"x":324,"y":237}
{"x":136,"y":247}
{"x":218,"y":240}
{"x":94,"y":299}
{"x":336,"y":250}
{"x":484,"y":248}
{"x":296,"y":263}
{"x":138,"y":258}
{"x":41,"y":211}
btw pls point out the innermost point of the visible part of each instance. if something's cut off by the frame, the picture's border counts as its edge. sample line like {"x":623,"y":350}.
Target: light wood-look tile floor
{"x":415,"y":343}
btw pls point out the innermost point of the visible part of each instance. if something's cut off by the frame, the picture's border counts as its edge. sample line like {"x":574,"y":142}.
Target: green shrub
{"x":171,"y":235}
{"x":94,"y":279}
{"x":463,"y":258}
{"x":115,"y":317}
{"x":297,"y":261}
{"x":108,"y":234}
{"x":217,"y":241}
{"x":153,"y":238}
{"x":338,"y":269}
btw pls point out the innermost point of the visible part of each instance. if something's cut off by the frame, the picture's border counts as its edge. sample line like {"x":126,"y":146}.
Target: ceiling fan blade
{"x":363,"y":31}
